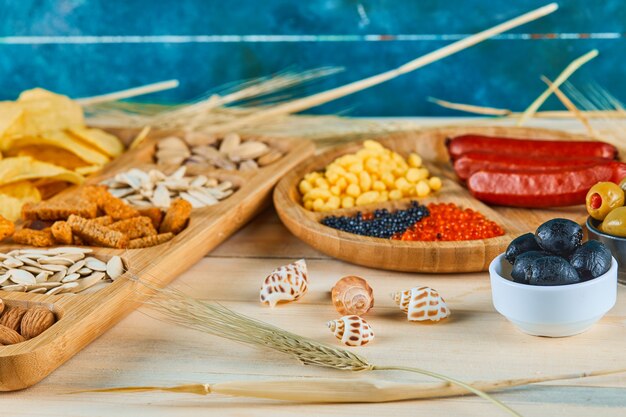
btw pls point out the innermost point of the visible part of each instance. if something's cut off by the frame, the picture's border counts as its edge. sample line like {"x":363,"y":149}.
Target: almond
{"x":9,"y":336}
{"x":12,"y":317}
{"x":36,"y":321}
{"x":1,"y":306}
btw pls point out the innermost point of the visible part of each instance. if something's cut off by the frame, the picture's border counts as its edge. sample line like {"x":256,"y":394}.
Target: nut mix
{"x":58,"y":270}
{"x":18,"y":324}
{"x":228,"y":152}
{"x":154,"y":188}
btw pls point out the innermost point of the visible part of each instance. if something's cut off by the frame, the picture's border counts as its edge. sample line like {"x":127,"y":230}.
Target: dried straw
{"x":218,"y":320}
{"x":209,"y":114}
{"x":563,"y":76}
{"x":347,"y":390}
{"x":131,"y":92}
{"x":571,"y":107}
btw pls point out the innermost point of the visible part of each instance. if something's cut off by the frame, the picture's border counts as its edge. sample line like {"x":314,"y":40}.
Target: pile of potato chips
{"x":45,"y":146}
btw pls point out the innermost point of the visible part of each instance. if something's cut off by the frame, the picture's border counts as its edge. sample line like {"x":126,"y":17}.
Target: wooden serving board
{"x":432,"y":257}
{"x":82,"y":318}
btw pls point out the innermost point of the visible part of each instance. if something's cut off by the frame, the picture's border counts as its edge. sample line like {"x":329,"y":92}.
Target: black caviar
{"x":380,"y":223}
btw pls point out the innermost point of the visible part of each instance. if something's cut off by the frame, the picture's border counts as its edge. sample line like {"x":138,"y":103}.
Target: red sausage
{"x":541,"y":189}
{"x":472,"y":162}
{"x":537,"y":148}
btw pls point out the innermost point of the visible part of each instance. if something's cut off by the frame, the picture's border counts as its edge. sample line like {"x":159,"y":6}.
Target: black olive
{"x":559,"y":236}
{"x":591,"y":260}
{"x":522,"y":264}
{"x":551,"y":270}
{"x":519,"y":245}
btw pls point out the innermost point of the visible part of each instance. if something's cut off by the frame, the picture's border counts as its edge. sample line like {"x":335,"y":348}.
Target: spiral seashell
{"x":422,"y":304}
{"x":352,"y":295}
{"x":351,"y":330}
{"x":286,"y":283}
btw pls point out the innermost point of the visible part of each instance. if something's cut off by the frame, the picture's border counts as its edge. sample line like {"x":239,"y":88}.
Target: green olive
{"x":602,"y":198}
{"x":615,"y":222}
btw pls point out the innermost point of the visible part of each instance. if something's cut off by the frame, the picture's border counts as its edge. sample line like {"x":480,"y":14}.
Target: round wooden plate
{"x":432,"y":257}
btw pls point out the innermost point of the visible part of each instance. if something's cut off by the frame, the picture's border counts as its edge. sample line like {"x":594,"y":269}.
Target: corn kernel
{"x":334,"y":190}
{"x":402,"y":184}
{"x":338,"y":169}
{"x":415,"y":160}
{"x":347,"y":160}
{"x":413,"y":175}
{"x":422,"y":189}
{"x":312,"y":176}
{"x":373,"y":145}
{"x":372,"y":165}
{"x":397,"y":158}
{"x":332,"y":177}
{"x":395,"y":195}
{"x":342,"y":183}
{"x":333,"y":203}
{"x":379,"y":186}
{"x":347,"y":202}
{"x":423,"y":173}
{"x":308,"y":205}
{"x":353,"y":190}
{"x":367,"y":198}
{"x":352,"y":178}
{"x":365,"y":181}
{"x":383,"y":196}
{"x":356,"y":168}
{"x":316,"y":193}
{"x":304,"y":187}
{"x":322,"y":183}
{"x":435,"y":183}
{"x":318,"y":204}
{"x":388,"y":179}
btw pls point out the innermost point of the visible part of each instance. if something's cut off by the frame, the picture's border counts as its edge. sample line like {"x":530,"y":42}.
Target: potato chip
{"x":24,"y":168}
{"x":99,"y":139}
{"x":51,"y":155}
{"x":13,"y":196}
{"x":11,"y":116}
{"x":22,"y":190}
{"x":46,"y":111}
{"x":10,"y":207}
{"x":62,"y":140}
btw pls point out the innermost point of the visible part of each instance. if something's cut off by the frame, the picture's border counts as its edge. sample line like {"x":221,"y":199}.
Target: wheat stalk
{"x":220,"y":321}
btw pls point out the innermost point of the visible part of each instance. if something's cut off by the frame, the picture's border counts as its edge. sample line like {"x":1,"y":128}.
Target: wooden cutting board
{"x":82,"y":318}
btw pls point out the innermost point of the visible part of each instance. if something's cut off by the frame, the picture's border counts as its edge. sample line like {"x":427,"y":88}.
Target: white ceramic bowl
{"x":553,"y":311}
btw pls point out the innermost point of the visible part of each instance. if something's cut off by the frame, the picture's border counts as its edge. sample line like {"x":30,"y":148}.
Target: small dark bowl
{"x":616,"y":244}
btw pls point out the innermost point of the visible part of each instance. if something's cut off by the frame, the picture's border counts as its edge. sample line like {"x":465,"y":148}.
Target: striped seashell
{"x":286,"y":283}
{"x":351,"y":330}
{"x":422,"y":304}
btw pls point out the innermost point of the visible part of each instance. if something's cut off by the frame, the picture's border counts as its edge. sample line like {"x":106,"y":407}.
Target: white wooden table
{"x":475,"y":344}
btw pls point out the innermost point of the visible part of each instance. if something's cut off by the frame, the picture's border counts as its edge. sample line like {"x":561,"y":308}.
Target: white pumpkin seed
{"x":95,"y":264}
{"x":19,"y":276}
{"x":115,"y":268}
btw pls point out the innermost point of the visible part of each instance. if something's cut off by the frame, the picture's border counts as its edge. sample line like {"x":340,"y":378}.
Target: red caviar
{"x":451,"y":223}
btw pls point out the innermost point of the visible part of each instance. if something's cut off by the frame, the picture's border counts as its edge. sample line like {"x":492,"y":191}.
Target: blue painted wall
{"x":88,"y":47}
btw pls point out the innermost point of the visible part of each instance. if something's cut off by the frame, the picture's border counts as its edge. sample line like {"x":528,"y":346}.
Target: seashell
{"x":422,"y":304}
{"x":286,"y":283}
{"x":352,"y":295}
{"x":351,"y":330}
